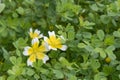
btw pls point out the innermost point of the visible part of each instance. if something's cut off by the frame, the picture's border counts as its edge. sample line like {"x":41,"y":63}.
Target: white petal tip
{"x":64,"y":48}
{"x":25,"y":53}
{"x":29,"y":63}
{"x":46,"y":58}
{"x":35,"y":40}
{"x":51,"y":33}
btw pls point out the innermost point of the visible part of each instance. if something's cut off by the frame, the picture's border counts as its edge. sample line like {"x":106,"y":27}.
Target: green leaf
{"x":109,"y":50}
{"x":11,"y":72}
{"x":109,"y":40}
{"x":44,"y":71}
{"x":105,"y":19}
{"x":100,"y":34}
{"x":101,"y":51}
{"x":30,"y":72}
{"x":88,"y":25}
{"x":36,"y":76}
{"x":95,"y":64}
{"x":58,"y":74}
{"x":18,"y":52}
{"x":38,"y":64}
{"x":69,"y":27}
{"x":6,"y":55}
{"x":13,"y":60}
{"x":20,"y":43}
{"x":11,"y":77}
{"x":20,"y":10}
{"x":72,"y":77}
{"x":89,"y":48}
{"x":81,"y":45}
{"x":94,"y":7}
{"x":71,"y":35}
{"x":87,"y":35}
{"x":116,"y":33}
{"x":108,"y":70}
{"x":2,"y":7}
{"x":19,"y":60}
{"x":65,"y":63}
{"x":100,"y":76}
{"x":118,"y":67}
{"x":3,"y":77}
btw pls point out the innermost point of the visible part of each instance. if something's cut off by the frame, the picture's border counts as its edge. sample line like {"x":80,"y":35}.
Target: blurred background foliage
{"x":91,"y":29}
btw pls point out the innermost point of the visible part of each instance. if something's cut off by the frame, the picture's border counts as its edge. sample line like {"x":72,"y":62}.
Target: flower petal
{"x":51,"y":33}
{"x":46,"y":58}
{"x":45,"y":39}
{"x":29,"y":63}
{"x":37,"y":31}
{"x":40,"y":36}
{"x":63,"y":48}
{"x":35,"y":40}
{"x":32,"y":58}
{"x":26,"y":51}
{"x":50,"y":47}
{"x":31,"y":30}
{"x":40,"y":55}
{"x":46,"y":46}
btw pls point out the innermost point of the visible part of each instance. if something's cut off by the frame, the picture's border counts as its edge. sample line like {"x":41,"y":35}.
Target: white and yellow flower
{"x":36,"y":52}
{"x":35,"y":34}
{"x":54,"y":42}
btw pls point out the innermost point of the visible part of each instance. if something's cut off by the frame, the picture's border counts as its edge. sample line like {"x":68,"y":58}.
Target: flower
{"x":35,"y":34}
{"x":36,"y":52}
{"x":54,"y":42}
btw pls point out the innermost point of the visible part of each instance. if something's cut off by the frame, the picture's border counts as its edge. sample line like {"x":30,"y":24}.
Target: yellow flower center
{"x":36,"y":52}
{"x":54,"y":42}
{"x":33,"y":35}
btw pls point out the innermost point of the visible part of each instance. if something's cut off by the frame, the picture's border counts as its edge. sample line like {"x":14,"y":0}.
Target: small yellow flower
{"x":54,"y":42}
{"x":35,"y":34}
{"x":36,"y":52}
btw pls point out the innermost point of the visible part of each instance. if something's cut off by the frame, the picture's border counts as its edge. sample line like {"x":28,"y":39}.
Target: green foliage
{"x":89,"y":28}
{"x":2,"y":6}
